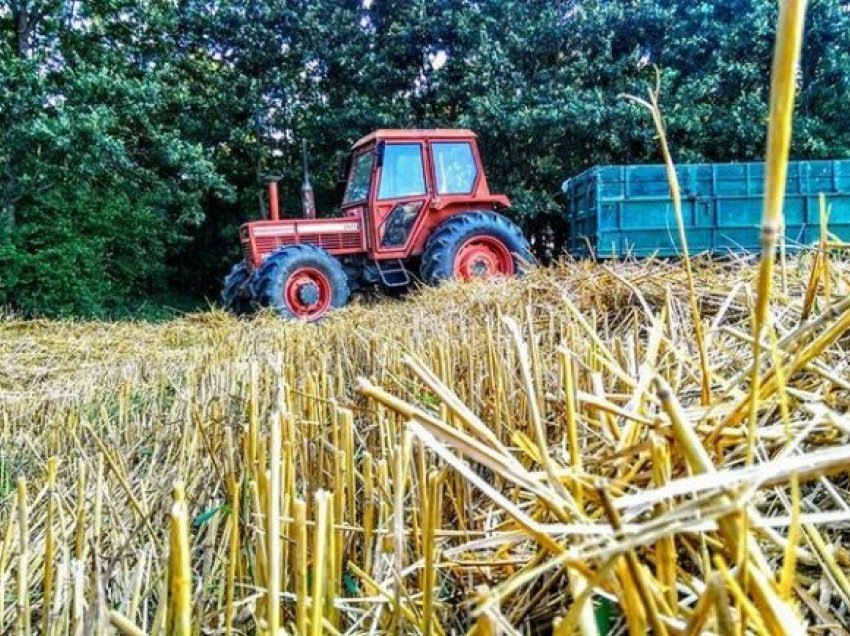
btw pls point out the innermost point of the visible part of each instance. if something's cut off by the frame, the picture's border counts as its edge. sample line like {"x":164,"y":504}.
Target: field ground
{"x":473,"y":457}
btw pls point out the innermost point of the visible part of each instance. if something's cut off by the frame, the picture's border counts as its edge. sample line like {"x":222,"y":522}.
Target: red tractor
{"x":415,"y":201}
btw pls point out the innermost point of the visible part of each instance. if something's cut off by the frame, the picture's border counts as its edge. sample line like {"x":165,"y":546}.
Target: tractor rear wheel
{"x":474,"y":245}
{"x":236,"y":295}
{"x":301,"y":282}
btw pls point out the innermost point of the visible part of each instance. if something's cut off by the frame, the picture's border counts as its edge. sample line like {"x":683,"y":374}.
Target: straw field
{"x":594,"y":448}
{"x":494,"y":457}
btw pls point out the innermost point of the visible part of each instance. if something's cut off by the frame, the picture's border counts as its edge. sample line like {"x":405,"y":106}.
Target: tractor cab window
{"x":454,"y":167}
{"x":402,"y":174}
{"x":359,"y":179}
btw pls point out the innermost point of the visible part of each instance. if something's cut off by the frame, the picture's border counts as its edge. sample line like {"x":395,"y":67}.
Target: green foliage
{"x":135,"y":134}
{"x":101,"y":183}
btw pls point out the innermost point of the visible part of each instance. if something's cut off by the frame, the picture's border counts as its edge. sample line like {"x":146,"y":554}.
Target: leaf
{"x":204,"y":517}
{"x":605,"y":614}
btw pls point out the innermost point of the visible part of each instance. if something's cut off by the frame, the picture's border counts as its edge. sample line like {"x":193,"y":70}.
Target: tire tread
{"x":438,"y":255}
{"x":270,"y":277}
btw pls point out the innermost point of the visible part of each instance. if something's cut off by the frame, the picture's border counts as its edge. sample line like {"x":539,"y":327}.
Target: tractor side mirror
{"x":343,"y":168}
{"x":379,"y":154}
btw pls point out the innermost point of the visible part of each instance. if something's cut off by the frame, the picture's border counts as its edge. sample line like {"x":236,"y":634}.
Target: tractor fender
{"x":499,"y":201}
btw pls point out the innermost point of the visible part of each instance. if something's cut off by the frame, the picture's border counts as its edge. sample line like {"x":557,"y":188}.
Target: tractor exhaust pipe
{"x":308,"y":202}
{"x":274,"y":206}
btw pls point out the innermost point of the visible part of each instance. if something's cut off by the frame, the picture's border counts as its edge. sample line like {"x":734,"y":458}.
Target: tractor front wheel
{"x":236,"y":295}
{"x":301,"y":282}
{"x":474,"y":245}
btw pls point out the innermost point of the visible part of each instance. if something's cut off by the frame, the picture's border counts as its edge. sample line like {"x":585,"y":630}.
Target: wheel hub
{"x":308,"y":293}
{"x":480,"y":267}
{"x":483,"y":257}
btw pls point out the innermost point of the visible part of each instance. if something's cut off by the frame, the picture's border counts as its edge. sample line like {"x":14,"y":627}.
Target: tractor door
{"x":400,"y":197}
{"x":360,"y":169}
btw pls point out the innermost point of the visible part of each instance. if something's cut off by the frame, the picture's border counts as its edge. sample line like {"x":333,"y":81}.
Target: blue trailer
{"x":618,"y":211}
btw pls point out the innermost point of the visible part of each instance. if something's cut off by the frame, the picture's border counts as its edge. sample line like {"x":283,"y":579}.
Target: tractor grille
{"x":335,"y":241}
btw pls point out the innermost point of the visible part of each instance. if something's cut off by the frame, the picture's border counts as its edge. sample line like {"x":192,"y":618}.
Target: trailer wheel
{"x":474,"y":245}
{"x":236,"y":293}
{"x":301,"y":282}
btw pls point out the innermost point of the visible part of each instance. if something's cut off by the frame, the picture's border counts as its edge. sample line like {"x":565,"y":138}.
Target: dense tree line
{"x":134,"y":134}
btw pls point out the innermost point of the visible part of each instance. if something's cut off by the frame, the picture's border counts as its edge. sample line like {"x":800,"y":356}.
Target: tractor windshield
{"x":359,"y":179}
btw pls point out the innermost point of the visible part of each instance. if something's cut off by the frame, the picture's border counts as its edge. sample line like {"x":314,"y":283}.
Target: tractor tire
{"x":301,"y":282}
{"x":474,"y":245}
{"x":236,"y":294}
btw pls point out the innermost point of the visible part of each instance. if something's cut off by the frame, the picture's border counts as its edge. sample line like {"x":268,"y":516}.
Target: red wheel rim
{"x":308,"y":293}
{"x":483,"y":257}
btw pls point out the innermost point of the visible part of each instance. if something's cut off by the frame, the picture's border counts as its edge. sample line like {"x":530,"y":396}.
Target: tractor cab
{"x":410,"y":196}
{"x":404,"y":182}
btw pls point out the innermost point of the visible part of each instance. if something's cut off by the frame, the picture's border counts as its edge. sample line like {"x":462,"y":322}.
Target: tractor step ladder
{"x":393,"y":273}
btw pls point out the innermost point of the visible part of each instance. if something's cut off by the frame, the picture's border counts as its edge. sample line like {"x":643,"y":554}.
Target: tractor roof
{"x":414,"y":133}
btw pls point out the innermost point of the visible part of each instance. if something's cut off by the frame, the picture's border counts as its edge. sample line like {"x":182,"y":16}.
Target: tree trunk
{"x":25,"y":18}
{"x":20,"y":19}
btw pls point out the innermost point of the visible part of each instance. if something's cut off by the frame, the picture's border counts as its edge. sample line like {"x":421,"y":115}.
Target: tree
{"x":100,"y":178}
